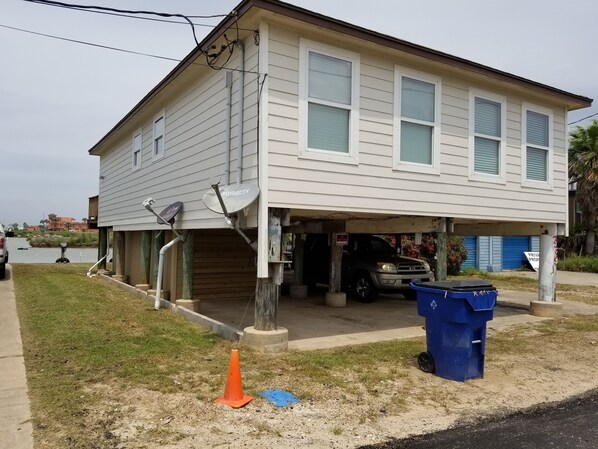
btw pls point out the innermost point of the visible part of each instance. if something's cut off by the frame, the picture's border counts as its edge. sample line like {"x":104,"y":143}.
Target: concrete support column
{"x":186,"y":299}
{"x":102,"y":247}
{"x":441,"y":261}
{"x":146,"y":255}
{"x":119,"y":257}
{"x":546,"y":305}
{"x":298,"y":289}
{"x":334,"y":296}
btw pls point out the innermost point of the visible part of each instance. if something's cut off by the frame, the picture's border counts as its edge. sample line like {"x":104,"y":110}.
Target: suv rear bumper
{"x":390,"y":281}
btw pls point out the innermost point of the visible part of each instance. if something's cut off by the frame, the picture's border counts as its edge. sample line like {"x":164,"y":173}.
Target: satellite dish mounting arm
{"x":231,"y":220}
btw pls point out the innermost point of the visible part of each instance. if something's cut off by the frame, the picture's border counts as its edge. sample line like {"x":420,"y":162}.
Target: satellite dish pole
{"x":232,"y":220}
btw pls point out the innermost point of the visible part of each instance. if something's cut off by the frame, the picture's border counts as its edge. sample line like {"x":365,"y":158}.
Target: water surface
{"x":47,"y":255}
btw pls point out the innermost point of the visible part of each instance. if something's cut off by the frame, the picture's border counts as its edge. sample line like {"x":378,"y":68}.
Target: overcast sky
{"x":58,"y":98}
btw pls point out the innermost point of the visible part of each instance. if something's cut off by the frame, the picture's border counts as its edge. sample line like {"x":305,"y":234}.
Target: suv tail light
{"x":1,"y":242}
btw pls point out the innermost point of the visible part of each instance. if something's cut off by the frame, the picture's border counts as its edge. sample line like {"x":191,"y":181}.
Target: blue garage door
{"x":513,"y":248}
{"x":471,"y":245}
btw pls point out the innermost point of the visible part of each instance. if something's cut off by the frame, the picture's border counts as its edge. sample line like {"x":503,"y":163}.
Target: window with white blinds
{"x":487,"y":131}
{"x":417,"y":122}
{"x":537,"y":146}
{"x":329,"y":110}
{"x":136,"y":155}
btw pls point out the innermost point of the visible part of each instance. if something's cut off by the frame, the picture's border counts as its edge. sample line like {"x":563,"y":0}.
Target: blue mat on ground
{"x":279,"y":397}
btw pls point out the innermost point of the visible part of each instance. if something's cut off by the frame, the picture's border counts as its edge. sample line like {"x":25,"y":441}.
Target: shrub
{"x":586,"y":264}
{"x":455,"y":256}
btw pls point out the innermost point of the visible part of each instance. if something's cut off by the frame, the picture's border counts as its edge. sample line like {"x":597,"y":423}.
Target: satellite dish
{"x":170,"y":212}
{"x":235,"y":197}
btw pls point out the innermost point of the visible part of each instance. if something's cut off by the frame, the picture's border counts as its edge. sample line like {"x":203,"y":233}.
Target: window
{"x":328,"y":106}
{"x":487,"y":143}
{"x":136,"y":156}
{"x":417,"y":121}
{"x":158,"y":148}
{"x":536,"y":147}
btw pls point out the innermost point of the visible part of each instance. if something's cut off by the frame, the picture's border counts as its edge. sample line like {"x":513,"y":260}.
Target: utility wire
{"x":107,"y":47}
{"x":125,"y":11}
{"x":582,"y":119}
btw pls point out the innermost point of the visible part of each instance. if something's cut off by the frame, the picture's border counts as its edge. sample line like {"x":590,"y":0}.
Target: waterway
{"x":47,"y":255}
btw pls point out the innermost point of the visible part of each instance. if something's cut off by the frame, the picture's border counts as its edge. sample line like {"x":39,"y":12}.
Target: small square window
{"x":136,"y":155}
{"x":158,"y":147}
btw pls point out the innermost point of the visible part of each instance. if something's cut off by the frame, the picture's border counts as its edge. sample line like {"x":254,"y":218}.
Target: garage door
{"x":513,"y":249}
{"x":471,"y":245}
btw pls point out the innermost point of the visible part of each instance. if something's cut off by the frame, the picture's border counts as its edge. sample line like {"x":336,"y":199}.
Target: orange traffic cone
{"x":233,"y":390}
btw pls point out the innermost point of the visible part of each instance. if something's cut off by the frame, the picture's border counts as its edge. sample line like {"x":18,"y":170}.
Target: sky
{"x":59,"y":98}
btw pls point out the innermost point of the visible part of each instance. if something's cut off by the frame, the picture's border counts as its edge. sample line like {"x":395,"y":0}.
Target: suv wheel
{"x":2,"y":271}
{"x":364,"y":288}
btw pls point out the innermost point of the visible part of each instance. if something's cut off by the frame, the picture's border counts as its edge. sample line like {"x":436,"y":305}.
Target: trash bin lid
{"x":466,"y":285}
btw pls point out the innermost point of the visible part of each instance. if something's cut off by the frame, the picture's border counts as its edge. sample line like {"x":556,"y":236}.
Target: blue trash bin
{"x":456,"y":314}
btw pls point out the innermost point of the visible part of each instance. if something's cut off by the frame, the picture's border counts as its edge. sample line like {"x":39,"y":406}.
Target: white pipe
{"x":161,"y":268}
{"x":103,"y":258}
{"x":228,"y":80}
{"x":240,"y":115}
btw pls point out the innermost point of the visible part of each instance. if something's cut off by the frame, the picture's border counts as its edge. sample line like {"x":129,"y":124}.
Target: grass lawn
{"x":83,"y":338}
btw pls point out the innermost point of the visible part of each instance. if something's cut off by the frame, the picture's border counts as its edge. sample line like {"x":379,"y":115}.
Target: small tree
{"x":583,"y":169}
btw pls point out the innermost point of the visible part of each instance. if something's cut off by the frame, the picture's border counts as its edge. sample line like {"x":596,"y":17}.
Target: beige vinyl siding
{"x":373,"y":186}
{"x":194,"y":140}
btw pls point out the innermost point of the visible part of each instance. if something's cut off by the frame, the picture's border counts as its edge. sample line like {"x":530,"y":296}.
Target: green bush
{"x":586,"y":264}
{"x":456,"y":253}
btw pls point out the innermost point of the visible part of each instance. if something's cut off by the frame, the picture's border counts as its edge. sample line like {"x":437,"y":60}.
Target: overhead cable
{"x":107,"y":47}
{"x":125,"y":11}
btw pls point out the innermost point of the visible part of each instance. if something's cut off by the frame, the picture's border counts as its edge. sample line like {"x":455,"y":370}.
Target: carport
{"x":312,"y":325}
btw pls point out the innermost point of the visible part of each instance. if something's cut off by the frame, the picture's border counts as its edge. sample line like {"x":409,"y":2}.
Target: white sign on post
{"x":533,"y":258}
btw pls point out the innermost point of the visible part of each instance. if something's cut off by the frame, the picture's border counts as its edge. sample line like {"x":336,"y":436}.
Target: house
{"x":344,"y":130}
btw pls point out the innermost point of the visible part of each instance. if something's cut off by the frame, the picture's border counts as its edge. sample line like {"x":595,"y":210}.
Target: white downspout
{"x":240,"y":114}
{"x":161,"y":268}
{"x":228,"y":82}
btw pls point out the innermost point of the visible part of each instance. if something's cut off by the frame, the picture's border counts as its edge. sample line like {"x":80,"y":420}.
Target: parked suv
{"x":3,"y":253}
{"x":369,"y":265}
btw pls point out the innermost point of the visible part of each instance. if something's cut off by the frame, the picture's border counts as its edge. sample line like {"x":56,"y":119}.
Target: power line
{"x":125,"y":11}
{"x":107,"y":47}
{"x":582,"y":119}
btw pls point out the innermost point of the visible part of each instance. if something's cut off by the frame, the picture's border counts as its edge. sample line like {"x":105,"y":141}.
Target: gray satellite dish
{"x":170,"y":212}
{"x":235,"y":197}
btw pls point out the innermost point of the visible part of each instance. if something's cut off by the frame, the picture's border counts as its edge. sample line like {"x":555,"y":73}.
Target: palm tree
{"x":583,"y":169}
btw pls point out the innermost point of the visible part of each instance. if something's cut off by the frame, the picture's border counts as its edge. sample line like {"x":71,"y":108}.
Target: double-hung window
{"x":487,"y":155}
{"x":136,"y":155}
{"x":328,"y":106}
{"x":417,"y":121}
{"x":158,"y":147}
{"x":536,"y":146}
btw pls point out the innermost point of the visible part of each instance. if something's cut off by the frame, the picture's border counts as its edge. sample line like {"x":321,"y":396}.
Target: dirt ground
{"x":529,"y":367}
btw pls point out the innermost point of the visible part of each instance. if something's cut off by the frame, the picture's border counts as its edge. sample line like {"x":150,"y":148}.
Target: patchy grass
{"x":84,"y":340}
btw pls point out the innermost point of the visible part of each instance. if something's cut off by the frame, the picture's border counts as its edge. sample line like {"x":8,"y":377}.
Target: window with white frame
{"x":158,"y":147}
{"x":329,"y":110}
{"x":488,"y":137}
{"x":536,"y":148}
{"x":417,"y":121}
{"x":136,"y":155}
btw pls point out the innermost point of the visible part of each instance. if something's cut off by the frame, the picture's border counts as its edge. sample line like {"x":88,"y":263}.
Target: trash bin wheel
{"x":426,"y":362}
